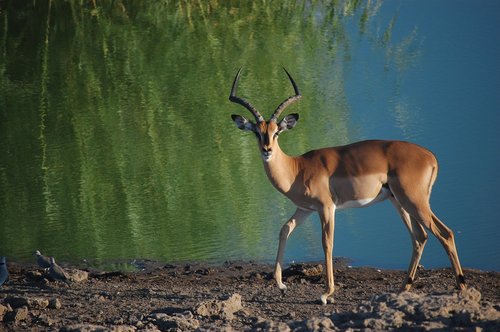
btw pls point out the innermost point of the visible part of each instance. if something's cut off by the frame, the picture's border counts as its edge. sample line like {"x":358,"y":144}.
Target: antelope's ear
{"x":243,"y":123}
{"x":289,"y":121}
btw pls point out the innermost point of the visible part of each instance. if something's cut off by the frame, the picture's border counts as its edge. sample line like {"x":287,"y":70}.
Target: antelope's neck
{"x":281,"y":170}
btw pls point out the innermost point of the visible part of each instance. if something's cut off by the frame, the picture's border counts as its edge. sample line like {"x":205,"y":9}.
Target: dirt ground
{"x":243,"y":296}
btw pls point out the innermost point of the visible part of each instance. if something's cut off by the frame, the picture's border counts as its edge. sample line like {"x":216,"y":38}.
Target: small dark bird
{"x":56,"y":272}
{"x":42,"y":261}
{"x":4,"y":274}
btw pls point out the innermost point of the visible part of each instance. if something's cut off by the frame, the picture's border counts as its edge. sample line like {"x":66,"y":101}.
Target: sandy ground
{"x":243,"y":296}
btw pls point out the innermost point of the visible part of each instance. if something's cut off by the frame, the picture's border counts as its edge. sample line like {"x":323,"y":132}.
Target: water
{"x":116,"y":141}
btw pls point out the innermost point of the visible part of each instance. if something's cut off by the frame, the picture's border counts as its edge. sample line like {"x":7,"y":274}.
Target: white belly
{"x":383,"y":195}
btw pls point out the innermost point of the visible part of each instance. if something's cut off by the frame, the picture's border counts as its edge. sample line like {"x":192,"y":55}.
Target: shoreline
{"x":137,"y":265}
{"x":243,"y":296}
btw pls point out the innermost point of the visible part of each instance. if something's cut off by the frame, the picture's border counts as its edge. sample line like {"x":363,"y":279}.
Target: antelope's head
{"x":266,"y":131}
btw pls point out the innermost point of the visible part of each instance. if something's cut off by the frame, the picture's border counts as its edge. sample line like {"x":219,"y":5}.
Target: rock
{"x":84,"y":328}
{"x":319,"y":324}
{"x":17,"y":315}
{"x":470,"y":294}
{"x":204,"y":272}
{"x":37,"y":303}
{"x":45,"y":320}
{"x":36,"y":275}
{"x":224,"y":309}
{"x":313,"y":324}
{"x":4,"y":310}
{"x":16,"y":301}
{"x":123,"y":328}
{"x":150,"y":328}
{"x":20,"y":314}
{"x":78,"y":275}
{"x":269,"y":325}
{"x":55,"y":303}
{"x":434,"y":326}
{"x":407,"y":310}
{"x":97,"y":328}
{"x":375,"y":324}
{"x":29,"y":302}
{"x":306,"y":270}
{"x":182,"y":322}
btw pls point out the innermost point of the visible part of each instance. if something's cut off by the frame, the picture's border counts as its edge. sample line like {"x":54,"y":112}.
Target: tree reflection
{"x":116,"y":139}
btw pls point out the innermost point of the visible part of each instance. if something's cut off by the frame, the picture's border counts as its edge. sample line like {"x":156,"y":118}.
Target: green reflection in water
{"x":116,"y":138}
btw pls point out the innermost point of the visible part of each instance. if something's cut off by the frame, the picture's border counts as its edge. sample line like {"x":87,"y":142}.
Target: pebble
{"x":4,"y":310}
{"x":17,"y":315}
{"x":55,"y":303}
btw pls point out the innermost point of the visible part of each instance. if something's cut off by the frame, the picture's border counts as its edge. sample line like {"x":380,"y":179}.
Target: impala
{"x":349,"y":176}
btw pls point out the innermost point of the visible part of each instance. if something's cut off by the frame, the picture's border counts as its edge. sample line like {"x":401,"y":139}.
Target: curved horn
{"x":243,"y":102}
{"x":287,"y":101}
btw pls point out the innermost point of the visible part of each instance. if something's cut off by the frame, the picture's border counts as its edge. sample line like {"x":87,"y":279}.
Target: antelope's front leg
{"x":327,"y":227}
{"x":298,"y":218}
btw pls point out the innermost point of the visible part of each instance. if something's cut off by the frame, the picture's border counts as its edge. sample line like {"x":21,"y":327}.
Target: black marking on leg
{"x":409,"y":281}
{"x":461,"y":279}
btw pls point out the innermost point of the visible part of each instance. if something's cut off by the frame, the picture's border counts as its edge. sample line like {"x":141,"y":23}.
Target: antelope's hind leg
{"x":447,"y":239}
{"x":417,"y":206}
{"x":412,"y":189}
{"x":418,"y":239}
